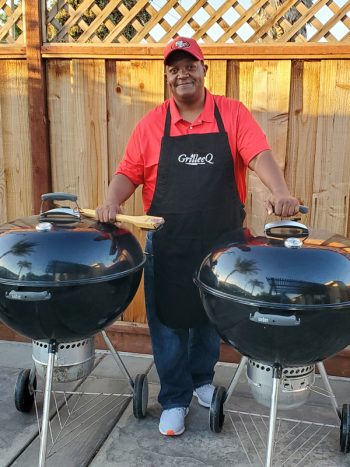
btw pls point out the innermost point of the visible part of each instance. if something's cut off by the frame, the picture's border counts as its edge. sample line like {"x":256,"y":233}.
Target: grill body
{"x":276,"y":304}
{"x":68,"y":279}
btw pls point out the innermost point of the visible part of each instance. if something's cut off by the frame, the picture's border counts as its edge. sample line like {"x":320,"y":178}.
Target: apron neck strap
{"x":167,"y":123}
{"x":217,"y":117}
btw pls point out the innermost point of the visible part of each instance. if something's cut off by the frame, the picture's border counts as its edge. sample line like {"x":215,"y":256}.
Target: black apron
{"x":197,"y":195}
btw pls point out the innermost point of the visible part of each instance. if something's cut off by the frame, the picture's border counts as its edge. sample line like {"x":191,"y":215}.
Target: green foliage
{"x":89,"y":16}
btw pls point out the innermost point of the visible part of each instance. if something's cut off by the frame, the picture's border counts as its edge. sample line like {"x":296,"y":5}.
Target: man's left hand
{"x":283,"y":205}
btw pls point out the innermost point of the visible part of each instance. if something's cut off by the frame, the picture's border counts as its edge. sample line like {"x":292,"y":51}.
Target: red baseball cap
{"x":186,"y":44}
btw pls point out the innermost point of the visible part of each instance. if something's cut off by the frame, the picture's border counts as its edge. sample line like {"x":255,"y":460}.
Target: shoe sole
{"x":172,"y":433}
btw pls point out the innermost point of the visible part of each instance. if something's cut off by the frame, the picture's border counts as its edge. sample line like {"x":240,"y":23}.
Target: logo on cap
{"x":181,"y":45}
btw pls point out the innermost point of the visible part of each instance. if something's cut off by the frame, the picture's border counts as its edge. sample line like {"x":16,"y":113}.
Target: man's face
{"x":185,"y":76}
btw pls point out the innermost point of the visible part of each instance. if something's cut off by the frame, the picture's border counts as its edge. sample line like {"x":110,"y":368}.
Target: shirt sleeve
{"x":251,"y":140}
{"x":132,"y":164}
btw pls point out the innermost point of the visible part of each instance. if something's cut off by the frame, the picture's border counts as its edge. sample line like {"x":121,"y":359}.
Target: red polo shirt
{"x":140,"y":161}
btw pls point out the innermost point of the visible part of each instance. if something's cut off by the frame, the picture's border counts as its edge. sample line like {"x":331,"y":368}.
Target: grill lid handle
{"x":60,"y":213}
{"x":58,"y":196}
{"x":286,"y":229}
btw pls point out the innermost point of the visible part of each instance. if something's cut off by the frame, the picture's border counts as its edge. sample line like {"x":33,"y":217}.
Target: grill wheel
{"x":24,"y":396}
{"x":345,"y":429}
{"x":216,"y":411}
{"x":140,"y":396}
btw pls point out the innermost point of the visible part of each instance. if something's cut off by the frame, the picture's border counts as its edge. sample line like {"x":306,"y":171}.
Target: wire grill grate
{"x":296,"y":441}
{"x":73,"y":414}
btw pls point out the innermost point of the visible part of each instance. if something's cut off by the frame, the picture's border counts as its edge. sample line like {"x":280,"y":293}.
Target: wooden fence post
{"x":37,"y":103}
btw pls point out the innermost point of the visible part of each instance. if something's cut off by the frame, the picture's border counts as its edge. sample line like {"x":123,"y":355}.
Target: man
{"x":190,"y":154}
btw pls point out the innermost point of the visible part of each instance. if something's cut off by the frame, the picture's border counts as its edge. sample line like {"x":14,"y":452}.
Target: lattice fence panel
{"x":209,"y":21}
{"x":11,"y":22}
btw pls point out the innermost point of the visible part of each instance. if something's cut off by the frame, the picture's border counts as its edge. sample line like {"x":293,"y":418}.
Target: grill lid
{"x":63,"y":249}
{"x":280,"y":272}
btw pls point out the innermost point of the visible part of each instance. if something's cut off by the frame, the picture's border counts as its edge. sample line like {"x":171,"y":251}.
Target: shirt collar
{"x":207,"y":114}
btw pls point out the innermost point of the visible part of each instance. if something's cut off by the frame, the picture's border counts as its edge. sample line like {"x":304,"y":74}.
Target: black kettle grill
{"x":64,"y":278}
{"x":283,"y":301}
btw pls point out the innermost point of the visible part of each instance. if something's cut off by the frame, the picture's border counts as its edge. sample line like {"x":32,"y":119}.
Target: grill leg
{"x":117,"y":358}
{"x":32,"y":378}
{"x":236,"y":377}
{"x":46,"y":408}
{"x":322,"y":371}
{"x":277,"y":374}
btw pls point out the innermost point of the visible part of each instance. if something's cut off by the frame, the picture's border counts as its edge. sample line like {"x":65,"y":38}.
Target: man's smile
{"x":189,"y":83}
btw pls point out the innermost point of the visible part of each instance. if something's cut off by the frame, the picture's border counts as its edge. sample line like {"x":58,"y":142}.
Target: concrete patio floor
{"x":101,"y":429}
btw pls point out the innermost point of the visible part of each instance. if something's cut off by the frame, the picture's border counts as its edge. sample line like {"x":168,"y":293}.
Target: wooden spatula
{"x":142,"y":222}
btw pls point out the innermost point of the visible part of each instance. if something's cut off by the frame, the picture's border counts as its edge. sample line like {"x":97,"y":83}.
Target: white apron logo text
{"x":196,"y":159}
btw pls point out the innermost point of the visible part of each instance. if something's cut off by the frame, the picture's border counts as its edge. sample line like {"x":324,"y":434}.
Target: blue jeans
{"x":184,"y":358}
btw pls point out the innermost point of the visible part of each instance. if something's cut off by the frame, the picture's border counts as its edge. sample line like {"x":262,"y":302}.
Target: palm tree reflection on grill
{"x":20,"y":248}
{"x":23,"y":264}
{"x":244,"y":266}
{"x":256,"y":283}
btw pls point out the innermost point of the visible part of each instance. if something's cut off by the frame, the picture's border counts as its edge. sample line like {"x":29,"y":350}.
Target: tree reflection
{"x":20,"y":248}
{"x":244,"y":266}
{"x":23,"y":264}
{"x":256,"y":283}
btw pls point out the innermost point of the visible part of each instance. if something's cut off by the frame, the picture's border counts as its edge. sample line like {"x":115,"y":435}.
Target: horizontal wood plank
{"x":242,"y":51}
{"x":12,"y":51}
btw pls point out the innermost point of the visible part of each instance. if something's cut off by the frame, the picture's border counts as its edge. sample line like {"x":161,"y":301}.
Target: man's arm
{"x":119,"y":190}
{"x":281,"y":202}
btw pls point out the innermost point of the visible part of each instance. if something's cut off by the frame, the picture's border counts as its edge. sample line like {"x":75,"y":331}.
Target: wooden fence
{"x":71,"y":91}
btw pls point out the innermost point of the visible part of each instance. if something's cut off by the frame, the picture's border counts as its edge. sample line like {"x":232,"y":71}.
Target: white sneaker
{"x":204,"y":394}
{"x":172,"y":421}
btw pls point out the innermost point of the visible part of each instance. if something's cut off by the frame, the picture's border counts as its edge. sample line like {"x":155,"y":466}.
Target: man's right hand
{"x":107,"y":212}
{"x":119,"y":190}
